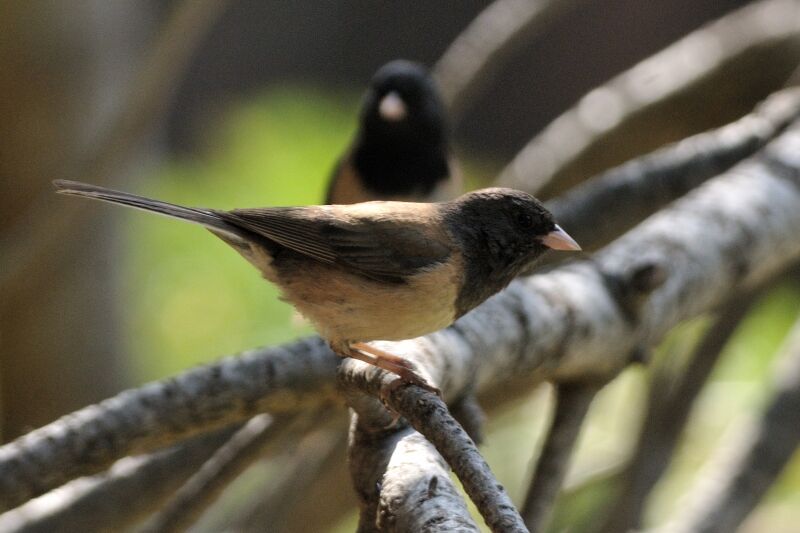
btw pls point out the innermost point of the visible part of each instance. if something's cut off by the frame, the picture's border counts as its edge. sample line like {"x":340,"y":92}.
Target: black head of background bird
{"x":401,"y":149}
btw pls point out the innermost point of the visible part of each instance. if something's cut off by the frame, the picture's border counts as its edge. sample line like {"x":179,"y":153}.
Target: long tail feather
{"x":204,"y":217}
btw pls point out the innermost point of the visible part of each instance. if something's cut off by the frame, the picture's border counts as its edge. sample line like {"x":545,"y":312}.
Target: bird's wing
{"x":375,"y":245}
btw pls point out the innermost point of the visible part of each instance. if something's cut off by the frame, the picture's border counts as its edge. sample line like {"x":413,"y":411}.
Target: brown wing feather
{"x":373,"y":244}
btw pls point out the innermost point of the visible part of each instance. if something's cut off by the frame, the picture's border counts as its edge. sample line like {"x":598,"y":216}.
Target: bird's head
{"x":402,"y":103}
{"x":505,"y":230}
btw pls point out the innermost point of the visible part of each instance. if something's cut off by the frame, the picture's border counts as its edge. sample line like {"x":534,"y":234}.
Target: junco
{"x":400,"y":151}
{"x":378,"y":270}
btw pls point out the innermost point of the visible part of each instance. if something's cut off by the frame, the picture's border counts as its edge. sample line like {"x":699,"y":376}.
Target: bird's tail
{"x":204,"y":217}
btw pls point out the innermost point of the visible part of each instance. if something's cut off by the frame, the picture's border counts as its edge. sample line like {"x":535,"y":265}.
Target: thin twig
{"x":669,"y":406}
{"x":566,"y":324}
{"x":256,"y":439}
{"x":479,"y":51}
{"x":572,"y":404}
{"x":590,"y":211}
{"x":751,"y":459}
{"x":107,"y":498}
{"x":635,"y":112}
{"x":313,"y":473}
{"x":428,"y":414}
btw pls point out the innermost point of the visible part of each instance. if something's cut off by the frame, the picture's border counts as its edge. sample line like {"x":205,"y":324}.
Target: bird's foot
{"x":395,"y":364}
{"x":401,"y":367}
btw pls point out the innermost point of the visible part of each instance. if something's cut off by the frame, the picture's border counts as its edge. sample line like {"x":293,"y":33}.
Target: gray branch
{"x":402,"y":483}
{"x":480,"y":49}
{"x":591,"y":210}
{"x":629,"y":115}
{"x":42,"y":230}
{"x":572,"y":404}
{"x":669,"y":406}
{"x":750,"y":461}
{"x":427,"y":414}
{"x":107,"y":498}
{"x":142,"y":420}
{"x":417,"y":473}
{"x":572,"y":323}
{"x":230,"y":460}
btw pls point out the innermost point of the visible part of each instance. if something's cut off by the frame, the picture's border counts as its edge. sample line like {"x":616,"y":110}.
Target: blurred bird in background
{"x":401,"y":150}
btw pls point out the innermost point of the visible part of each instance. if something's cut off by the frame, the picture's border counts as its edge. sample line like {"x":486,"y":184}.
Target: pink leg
{"x":387,"y":361}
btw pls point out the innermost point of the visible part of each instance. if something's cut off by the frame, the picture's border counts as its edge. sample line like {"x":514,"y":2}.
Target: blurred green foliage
{"x":190,"y":299}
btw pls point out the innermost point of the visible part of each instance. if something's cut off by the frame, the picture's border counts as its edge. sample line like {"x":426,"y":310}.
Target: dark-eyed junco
{"x":401,"y":148}
{"x":378,"y":270}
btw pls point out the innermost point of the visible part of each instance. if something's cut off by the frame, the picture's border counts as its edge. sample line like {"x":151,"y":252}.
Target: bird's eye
{"x":524,"y":220}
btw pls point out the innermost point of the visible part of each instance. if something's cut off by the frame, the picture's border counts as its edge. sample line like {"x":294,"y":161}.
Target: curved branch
{"x":572,"y":323}
{"x":590,"y":211}
{"x":634,"y":112}
{"x":106,"y":499}
{"x":572,"y":404}
{"x":142,"y":420}
{"x":230,"y":460}
{"x":480,"y":49}
{"x":402,"y":483}
{"x":41,"y":230}
{"x":752,"y":459}
{"x":668,"y":410}
{"x":428,"y":415}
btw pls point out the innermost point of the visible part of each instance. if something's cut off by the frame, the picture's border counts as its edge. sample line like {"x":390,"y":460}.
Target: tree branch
{"x":137,"y":421}
{"x":402,"y":483}
{"x":751,"y":460}
{"x":428,"y":415}
{"x":669,"y":406}
{"x":640,"y":109}
{"x":41,"y":231}
{"x":479,"y":51}
{"x":572,"y":323}
{"x":590,"y":211}
{"x":257,"y":438}
{"x":572,"y":404}
{"x":106,"y":499}
{"x":313,"y":473}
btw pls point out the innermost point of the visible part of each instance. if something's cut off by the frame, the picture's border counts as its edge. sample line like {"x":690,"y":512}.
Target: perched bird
{"x":400,"y":151}
{"x":378,"y":270}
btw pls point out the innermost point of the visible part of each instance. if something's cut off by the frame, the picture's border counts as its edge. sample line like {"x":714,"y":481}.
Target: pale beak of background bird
{"x":392,"y":107}
{"x":558,"y":239}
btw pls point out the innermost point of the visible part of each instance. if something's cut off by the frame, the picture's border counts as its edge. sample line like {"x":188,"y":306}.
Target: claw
{"x":404,"y":368}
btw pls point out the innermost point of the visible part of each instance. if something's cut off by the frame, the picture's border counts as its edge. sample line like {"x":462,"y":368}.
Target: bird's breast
{"x":344,"y":306}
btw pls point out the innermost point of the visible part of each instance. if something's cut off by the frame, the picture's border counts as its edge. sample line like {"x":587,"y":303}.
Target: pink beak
{"x":392,"y":108}
{"x":558,"y":239}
